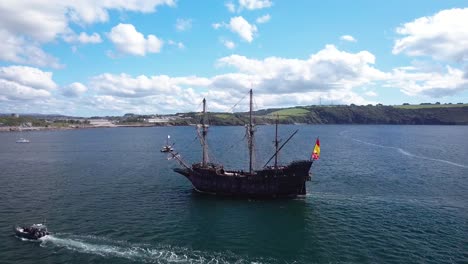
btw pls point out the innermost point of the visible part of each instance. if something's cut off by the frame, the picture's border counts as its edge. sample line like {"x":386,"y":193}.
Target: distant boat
{"x":168,"y":147}
{"x":22,"y":140}
{"x":271,"y":181}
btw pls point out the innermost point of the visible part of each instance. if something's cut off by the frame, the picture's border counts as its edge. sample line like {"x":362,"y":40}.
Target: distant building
{"x":158,"y":120}
{"x":15,"y":115}
{"x":101,"y":123}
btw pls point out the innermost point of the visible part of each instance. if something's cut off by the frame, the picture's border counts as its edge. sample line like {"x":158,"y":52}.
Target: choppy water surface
{"x":379,"y":194}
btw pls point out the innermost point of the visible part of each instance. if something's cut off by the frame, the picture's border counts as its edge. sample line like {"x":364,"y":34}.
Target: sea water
{"x":379,"y":194}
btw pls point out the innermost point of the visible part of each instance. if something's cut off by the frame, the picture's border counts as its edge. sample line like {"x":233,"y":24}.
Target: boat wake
{"x":141,"y":253}
{"x":406,"y":153}
{"x":32,"y":240}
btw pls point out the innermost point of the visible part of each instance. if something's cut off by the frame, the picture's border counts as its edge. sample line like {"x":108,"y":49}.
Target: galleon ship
{"x":271,"y":181}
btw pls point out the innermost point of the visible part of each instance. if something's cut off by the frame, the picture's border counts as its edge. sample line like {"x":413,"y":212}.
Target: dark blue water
{"x":379,"y":194}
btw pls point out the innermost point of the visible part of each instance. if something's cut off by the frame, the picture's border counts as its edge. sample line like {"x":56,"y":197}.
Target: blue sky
{"x":163,"y":56}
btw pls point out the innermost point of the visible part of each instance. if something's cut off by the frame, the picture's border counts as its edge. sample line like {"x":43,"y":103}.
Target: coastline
{"x":7,"y":129}
{"x":50,"y":128}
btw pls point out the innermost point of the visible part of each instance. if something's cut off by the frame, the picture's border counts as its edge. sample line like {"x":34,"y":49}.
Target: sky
{"x":111,"y":57}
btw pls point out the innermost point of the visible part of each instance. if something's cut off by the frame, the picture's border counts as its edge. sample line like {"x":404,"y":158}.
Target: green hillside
{"x":421,"y":106}
{"x":435,"y":114}
{"x":442,"y":115}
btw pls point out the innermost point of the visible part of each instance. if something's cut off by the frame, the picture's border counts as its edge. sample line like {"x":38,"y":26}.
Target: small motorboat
{"x":168,"y":147}
{"x":33,"y":232}
{"x":22,"y":140}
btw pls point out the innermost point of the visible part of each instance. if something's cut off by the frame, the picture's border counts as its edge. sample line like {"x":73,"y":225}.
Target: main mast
{"x":276,"y":141}
{"x":251,"y":135}
{"x":204,"y":132}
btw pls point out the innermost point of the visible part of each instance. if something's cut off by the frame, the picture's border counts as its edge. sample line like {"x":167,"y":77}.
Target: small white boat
{"x":22,"y":140}
{"x":168,"y":147}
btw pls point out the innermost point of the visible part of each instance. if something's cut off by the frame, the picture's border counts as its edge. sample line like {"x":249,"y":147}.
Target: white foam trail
{"x":80,"y":246}
{"x":133,"y":252}
{"x":406,"y":153}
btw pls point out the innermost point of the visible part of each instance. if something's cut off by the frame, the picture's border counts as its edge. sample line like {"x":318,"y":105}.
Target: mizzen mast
{"x":250,"y":133}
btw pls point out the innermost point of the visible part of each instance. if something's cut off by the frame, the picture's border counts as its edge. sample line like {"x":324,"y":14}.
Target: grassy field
{"x":429,"y":106}
{"x":223,"y":116}
{"x":290,"y":112}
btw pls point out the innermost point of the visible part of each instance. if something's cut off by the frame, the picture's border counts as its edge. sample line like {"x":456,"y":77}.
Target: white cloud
{"x":231,"y":7}
{"x":333,"y":75}
{"x":217,"y":25}
{"x":153,"y":44}
{"x":325,"y":70}
{"x":243,"y":28}
{"x":25,"y":83}
{"x":254,"y":4}
{"x":84,"y":38}
{"x":183,"y":24}
{"x":46,"y":19}
{"x":26,"y":25}
{"x":13,"y":91}
{"x":128,"y":40}
{"x":263,"y":19}
{"x":20,"y":50}
{"x":348,"y":38}
{"x":123,"y":93}
{"x":28,"y":76}
{"x":124,"y":85}
{"x":412,"y":81}
{"x":43,"y":20}
{"x":329,"y":74}
{"x":371,"y":94}
{"x":159,"y":103}
{"x":443,"y":36}
{"x":74,"y":90}
{"x":38,"y":20}
{"x":180,"y":45}
{"x":240,"y":26}
{"x":228,"y":44}
{"x":97,"y":11}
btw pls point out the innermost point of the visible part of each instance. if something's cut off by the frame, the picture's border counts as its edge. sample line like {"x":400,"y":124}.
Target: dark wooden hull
{"x":285,"y":181}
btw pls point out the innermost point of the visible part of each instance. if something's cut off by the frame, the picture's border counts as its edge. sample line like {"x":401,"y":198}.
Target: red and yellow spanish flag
{"x":316,"y":151}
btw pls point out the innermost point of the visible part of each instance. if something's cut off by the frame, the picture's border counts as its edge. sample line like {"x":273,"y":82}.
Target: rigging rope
{"x":232,"y":108}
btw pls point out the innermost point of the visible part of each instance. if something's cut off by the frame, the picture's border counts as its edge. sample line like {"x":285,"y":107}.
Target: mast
{"x":276,"y":141}
{"x":204,"y":132}
{"x":284,"y":144}
{"x":251,"y":135}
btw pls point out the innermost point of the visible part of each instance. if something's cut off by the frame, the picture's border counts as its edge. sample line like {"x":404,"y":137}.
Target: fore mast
{"x":204,"y":131}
